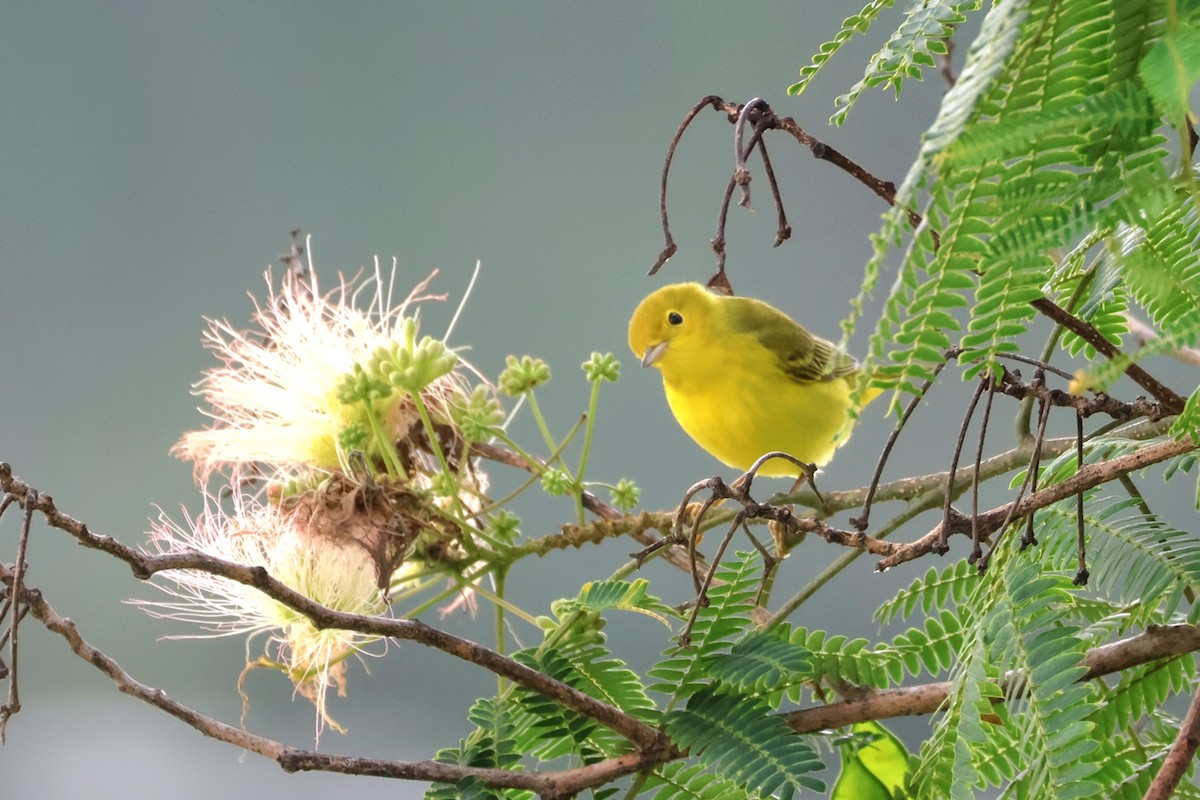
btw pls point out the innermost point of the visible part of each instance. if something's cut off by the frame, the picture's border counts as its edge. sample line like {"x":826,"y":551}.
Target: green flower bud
{"x":625,"y":494}
{"x":522,"y":375}
{"x":555,"y":482}
{"x":411,"y":365}
{"x":505,"y":526}
{"x":602,"y":367}
{"x":353,"y":437}
{"x":477,"y":416}
{"x":360,"y":387}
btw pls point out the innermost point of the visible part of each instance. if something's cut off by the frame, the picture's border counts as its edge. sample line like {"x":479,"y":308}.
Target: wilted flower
{"x":336,"y":571}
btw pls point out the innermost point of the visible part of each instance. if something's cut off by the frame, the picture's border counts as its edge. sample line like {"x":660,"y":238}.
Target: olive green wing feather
{"x":804,"y":357}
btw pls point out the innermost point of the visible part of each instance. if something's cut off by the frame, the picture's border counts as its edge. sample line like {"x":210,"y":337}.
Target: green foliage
{"x":1170,"y":70}
{"x":1037,"y":733}
{"x":684,"y":671}
{"x":935,"y":589}
{"x":596,"y":596}
{"x":1137,"y":559}
{"x":588,"y":667}
{"x":680,"y":780}
{"x":911,"y":48}
{"x":858,"y":23}
{"x":1188,"y":423}
{"x":1049,"y":134}
{"x":493,"y":745}
{"x":764,"y":661}
{"x":735,"y":735}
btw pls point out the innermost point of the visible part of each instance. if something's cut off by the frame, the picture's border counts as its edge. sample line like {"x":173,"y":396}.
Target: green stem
{"x":501,"y":574}
{"x":387,"y":447}
{"x":587,"y":444}
{"x":430,"y":433}
{"x":534,"y":463}
{"x":418,"y":587}
{"x":500,"y":602}
{"x":541,"y":423}
{"x":433,"y":601}
{"x":587,"y":432}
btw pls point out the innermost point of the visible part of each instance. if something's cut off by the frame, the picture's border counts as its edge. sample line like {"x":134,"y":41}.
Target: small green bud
{"x":555,"y":482}
{"x":353,"y":437}
{"x":410,"y":365}
{"x":477,"y":416}
{"x":602,"y":367}
{"x":360,"y":387}
{"x":625,"y":494}
{"x":505,"y":526}
{"x":522,"y":375}
{"x":443,"y":484}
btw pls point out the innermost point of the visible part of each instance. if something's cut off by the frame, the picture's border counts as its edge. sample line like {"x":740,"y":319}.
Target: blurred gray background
{"x":155,"y":156}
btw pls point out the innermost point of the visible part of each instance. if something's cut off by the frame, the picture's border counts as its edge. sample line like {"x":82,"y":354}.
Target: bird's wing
{"x":805,"y":358}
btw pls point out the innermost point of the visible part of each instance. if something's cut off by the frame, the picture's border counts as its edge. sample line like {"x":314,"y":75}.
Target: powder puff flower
{"x":336,"y":571}
{"x":322,"y":377}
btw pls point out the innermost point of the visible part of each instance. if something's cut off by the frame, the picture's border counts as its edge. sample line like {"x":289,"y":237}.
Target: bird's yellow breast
{"x":738,"y":404}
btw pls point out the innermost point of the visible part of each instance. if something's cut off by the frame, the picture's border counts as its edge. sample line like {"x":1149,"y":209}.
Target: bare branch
{"x":1182,"y":751}
{"x":1087,"y":477}
{"x":1092,"y":336}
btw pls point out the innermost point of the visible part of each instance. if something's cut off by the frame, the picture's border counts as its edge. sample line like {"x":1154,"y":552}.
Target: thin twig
{"x":1030,"y":471}
{"x":548,"y":784}
{"x":1087,"y":477}
{"x":1089,"y":333}
{"x":1081,"y":575}
{"x":976,"y":550}
{"x":670,"y":247}
{"x":1029,"y":538}
{"x":862,"y":521}
{"x":943,"y":547}
{"x":16,"y":591}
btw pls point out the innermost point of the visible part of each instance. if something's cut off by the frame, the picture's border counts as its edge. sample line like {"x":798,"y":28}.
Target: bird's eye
{"x":675,"y":318}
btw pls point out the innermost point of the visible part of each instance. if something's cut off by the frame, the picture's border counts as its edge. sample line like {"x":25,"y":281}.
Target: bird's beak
{"x":654,"y":352}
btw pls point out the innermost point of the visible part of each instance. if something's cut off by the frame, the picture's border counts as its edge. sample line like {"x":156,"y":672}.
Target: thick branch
{"x":1157,"y":642}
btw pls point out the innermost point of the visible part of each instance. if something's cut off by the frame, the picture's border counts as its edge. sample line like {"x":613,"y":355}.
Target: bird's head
{"x":668,"y":321}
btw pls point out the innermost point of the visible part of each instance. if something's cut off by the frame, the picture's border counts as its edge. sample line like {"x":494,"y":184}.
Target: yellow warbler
{"x":743,"y":379}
